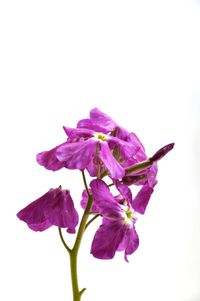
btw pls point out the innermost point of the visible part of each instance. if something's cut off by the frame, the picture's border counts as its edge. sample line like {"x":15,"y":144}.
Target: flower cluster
{"x":106,"y":151}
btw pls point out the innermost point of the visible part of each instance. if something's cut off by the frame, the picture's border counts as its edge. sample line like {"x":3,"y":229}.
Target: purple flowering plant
{"x":109,"y":154}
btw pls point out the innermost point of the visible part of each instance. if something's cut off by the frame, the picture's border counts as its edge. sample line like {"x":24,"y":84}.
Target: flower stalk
{"x":73,"y":253}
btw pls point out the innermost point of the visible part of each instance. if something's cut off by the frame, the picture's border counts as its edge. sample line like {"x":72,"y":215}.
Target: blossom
{"x":55,"y":207}
{"x":117,"y":231}
{"x":101,"y":122}
{"x":91,"y":146}
{"x":88,"y":148}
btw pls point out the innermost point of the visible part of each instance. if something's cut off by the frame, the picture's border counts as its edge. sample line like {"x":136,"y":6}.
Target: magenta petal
{"x":129,"y":243}
{"x":84,"y":201}
{"x":49,"y":160}
{"x":125,"y":192}
{"x":107,"y":239}
{"x":61,"y":211}
{"x":141,"y":200}
{"x":104,"y":121}
{"x":78,"y":133}
{"x":104,"y":200}
{"x":115,"y":169}
{"x":77,"y":155}
{"x":151,"y":175}
{"x":53,"y":208}
{"x":88,"y":124}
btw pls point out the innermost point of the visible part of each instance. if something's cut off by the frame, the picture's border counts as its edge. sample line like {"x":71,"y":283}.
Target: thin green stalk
{"x":63,"y":241}
{"x":92,"y":219}
{"x":74,"y":252}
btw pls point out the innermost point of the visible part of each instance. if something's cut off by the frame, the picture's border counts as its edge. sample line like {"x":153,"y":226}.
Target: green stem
{"x":63,"y":241}
{"x":92,"y":219}
{"x":74,"y":252}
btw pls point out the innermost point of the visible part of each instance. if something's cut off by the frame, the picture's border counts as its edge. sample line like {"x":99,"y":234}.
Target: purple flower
{"x":86,"y":148}
{"x":100,"y":122}
{"x":97,"y":144}
{"x":55,"y":207}
{"x":117,"y":231}
{"x":90,"y":146}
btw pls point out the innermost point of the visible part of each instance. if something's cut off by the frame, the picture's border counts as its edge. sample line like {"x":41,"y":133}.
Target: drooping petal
{"x":49,"y":160}
{"x":34,"y":213}
{"x":107,"y":239}
{"x":104,"y":200}
{"x":141,"y":200}
{"x":77,"y":155}
{"x":53,"y":208}
{"x":61,"y":211}
{"x":114,"y":167}
{"x":130,"y":242}
{"x":125,"y":192}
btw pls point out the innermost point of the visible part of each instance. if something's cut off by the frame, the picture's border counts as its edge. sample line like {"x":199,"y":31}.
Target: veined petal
{"x":34,"y":214}
{"x":53,"y":208}
{"x":104,"y":200}
{"x":61,"y":211}
{"x":49,"y":160}
{"x":78,"y":133}
{"x":127,"y":150}
{"x":141,"y":200}
{"x":151,"y":175}
{"x":107,"y":239}
{"x":115,"y":169}
{"x":125,"y":192}
{"x":129,"y":243}
{"x":77,"y":155}
{"x":101,"y":119}
{"x":88,"y":124}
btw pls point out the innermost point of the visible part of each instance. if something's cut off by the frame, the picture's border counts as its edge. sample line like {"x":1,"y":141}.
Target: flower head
{"x":55,"y":207}
{"x":97,"y":144}
{"x":117,"y":231}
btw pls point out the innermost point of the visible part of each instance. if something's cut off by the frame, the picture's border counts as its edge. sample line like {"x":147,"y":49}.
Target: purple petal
{"x":127,"y":150}
{"x":61,"y":211}
{"x":129,"y":243}
{"x":141,"y":200}
{"x":115,"y":169}
{"x":53,"y":208}
{"x":104,"y":200}
{"x":49,"y":160}
{"x":125,"y":192}
{"x":151,"y":175}
{"x":88,"y":124}
{"x":78,"y":133}
{"x":104,"y":121}
{"x":84,"y":201}
{"x":34,"y":213}
{"x":107,"y":239}
{"x":77,"y":155}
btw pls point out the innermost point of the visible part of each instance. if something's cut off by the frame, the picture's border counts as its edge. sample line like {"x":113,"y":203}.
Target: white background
{"x":138,"y":61}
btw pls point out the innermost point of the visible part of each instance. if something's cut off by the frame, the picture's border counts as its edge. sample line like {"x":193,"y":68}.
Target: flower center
{"x":128,"y":216}
{"x":100,"y":136}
